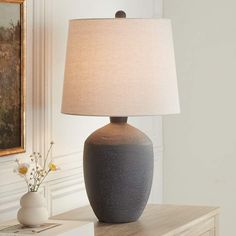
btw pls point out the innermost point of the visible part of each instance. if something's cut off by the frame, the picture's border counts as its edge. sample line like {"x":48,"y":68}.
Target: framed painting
{"x":12,"y":77}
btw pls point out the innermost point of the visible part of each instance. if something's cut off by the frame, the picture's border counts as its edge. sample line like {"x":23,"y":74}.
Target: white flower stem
{"x":38,"y":185}
{"x":45,"y":160}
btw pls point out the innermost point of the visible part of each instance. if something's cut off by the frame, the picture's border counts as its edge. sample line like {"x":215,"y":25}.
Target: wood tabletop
{"x":157,"y":220}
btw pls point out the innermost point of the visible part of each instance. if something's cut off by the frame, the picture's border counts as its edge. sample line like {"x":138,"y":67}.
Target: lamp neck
{"x":118,"y":120}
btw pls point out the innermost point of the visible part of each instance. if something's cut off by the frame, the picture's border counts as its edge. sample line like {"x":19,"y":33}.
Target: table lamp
{"x":118,"y":68}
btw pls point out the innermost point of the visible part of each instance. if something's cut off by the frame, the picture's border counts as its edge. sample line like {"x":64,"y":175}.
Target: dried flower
{"x":34,"y":174}
{"x":21,"y":169}
{"x":53,"y":167}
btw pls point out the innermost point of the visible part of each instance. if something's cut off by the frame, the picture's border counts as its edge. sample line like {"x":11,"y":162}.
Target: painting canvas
{"x":12,"y":77}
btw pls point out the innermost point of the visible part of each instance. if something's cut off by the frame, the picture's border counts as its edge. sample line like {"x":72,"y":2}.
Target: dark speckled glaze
{"x":118,"y":170}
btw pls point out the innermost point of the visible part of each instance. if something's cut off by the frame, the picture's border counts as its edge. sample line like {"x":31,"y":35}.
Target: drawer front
{"x":209,"y":233}
{"x":204,"y":228}
{"x":206,"y":234}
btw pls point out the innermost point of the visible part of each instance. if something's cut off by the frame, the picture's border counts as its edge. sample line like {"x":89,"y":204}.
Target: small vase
{"x":33,"y":212}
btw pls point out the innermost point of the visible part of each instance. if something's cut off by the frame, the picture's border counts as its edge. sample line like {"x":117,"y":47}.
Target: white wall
{"x":46,"y":45}
{"x":200,"y":143}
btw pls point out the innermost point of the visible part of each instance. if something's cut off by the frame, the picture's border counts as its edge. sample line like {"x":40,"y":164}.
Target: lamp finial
{"x":120,"y":14}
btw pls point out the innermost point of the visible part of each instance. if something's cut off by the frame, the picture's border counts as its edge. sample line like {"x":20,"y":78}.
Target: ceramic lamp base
{"x":118,"y":170}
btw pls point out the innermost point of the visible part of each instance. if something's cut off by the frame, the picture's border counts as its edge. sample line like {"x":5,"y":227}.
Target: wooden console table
{"x":157,"y":220}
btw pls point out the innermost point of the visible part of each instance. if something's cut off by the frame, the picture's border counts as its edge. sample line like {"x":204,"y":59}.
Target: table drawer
{"x":204,"y":228}
{"x":209,"y":233}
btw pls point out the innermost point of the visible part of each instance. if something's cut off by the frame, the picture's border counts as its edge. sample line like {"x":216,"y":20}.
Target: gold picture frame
{"x":12,"y":69}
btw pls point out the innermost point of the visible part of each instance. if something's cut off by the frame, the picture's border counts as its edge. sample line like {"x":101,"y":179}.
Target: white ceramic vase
{"x":33,"y":210}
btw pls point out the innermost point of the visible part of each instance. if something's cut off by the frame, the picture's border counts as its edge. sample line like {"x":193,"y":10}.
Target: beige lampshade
{"x":120,"y":67}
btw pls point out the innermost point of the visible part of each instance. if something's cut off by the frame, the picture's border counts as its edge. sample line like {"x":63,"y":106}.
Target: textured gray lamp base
{"x":118,"y":171}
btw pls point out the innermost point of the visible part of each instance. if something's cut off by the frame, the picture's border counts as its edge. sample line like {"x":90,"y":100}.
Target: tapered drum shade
{"x":120,"y":67}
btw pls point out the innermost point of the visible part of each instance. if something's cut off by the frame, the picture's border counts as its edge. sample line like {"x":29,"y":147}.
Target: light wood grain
{"x":201,"y":228}
{"x":207,"y":234}
{"x":217,"y":230}
{"x":157,"y":220}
